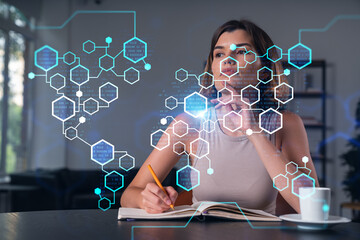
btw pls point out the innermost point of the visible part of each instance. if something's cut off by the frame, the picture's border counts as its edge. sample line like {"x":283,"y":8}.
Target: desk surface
{"x":95,"y":224}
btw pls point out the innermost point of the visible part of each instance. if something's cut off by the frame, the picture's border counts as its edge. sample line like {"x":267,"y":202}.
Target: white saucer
{"x":314,"y":225}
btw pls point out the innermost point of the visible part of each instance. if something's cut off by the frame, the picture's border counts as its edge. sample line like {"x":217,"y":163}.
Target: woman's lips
{"x":229,"y":71}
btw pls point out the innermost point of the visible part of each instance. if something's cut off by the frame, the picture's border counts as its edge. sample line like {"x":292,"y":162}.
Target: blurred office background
{"x":39,"y":164}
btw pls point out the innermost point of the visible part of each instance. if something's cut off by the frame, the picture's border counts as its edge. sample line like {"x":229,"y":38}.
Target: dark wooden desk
{"x":95,"y":224}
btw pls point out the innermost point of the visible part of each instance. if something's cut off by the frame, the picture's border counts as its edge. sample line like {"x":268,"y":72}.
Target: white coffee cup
{"x":314,"y":203}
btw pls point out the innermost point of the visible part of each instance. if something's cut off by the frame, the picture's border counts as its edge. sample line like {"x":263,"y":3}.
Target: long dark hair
{"x":262,"y":42}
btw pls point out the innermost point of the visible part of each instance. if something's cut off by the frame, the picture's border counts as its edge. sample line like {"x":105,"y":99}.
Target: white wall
{"x":178,"y":35}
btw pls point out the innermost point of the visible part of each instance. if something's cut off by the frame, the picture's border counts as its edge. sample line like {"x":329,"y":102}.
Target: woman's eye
{"x":218,"y":55}
{"x":241,"y":52}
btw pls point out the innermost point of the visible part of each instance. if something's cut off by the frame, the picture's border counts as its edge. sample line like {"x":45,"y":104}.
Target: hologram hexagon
{"x":223,"y":92}
{"x":284,"y":93}
{"x":127,"y":162}
{"x":180,"y":128}
{"x":264,"y":75}
{"x":102,"y":152}
{"x":195,"y":104}
{"x":235,"y":70}
{"x":79,"y":75}
{"x":209,"y":82}
{"x":209,"y":126}
{"x":181,"y":75}
{"x":131,"y":75}
{"x":106,"y":62}
{"x":57,"y":81}
{"x":104,"y":204}
{"x":271,"y":52}
{"x":171,"y":103}
{"x":114,"y":181}
{"x":161,"y":137}
{"x":63,"y":108}
{"x":135,"y":50}
{"x":302,"y":180}
{"x":205,"y":147}
{"x":289,"y":169}
{"x":250,"y":57}
{"x":270,"y":121}
{"x":91,"y":106}
{"x":299,"y":56}
{"x":46,"y":58}
{"x":69,"y":58}
{"x":232,"y":121}
{"x":88,"y":46}
{"x":188,"y":178}
{"x":251,"y":93}
{"x":108,"y":92}
{"x":71,"y":133}
{"x":280,"y":182}
{"x":179,"y":148}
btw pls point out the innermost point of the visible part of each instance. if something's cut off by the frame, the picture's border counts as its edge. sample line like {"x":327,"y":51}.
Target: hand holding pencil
{"x":156,"y":198}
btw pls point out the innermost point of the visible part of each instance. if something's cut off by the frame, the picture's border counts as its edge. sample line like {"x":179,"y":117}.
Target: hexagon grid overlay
{"x":135,"y":50}
{"x":188,"y":178}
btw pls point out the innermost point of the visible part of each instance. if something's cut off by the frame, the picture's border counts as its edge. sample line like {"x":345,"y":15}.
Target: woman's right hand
{"x":154,"y":200}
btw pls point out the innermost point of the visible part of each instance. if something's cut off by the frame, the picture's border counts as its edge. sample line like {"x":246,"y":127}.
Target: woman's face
{"x":247,"y":73}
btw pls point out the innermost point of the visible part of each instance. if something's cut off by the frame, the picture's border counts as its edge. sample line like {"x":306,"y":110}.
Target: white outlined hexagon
{"x":205,"y":147}
{"x":61,"y":80}
{"x":261,"y":121}
{"x":114,"y":173}
{"x":190,"y":183}
{"x":183,"y":148}
{"x":103,"y":97}
{"x":210,"y":124}
{"x":297,"y":179}
{"x":181,"y":79}
{"x":127,"y":71}
{"x":167,"y":102}
{"x":222,"y":90}
{"x":180,"y":132}
{"x":271,"y":75}
{"x":227,"y":59}
{"x":163,"y":134}
{"x":107,"y":157}
{"x":228,"y":116}
{"x":255,"y":89}
{"x":200,"y":81}
{"x":132,"y":160}
{"x":74,"y":130}
{"x":77,"y":70}
{"x":277,"y":48}
{"x":250,"y":52}
{"x":192,"y":112}
{"x":53,"y":103}
{"x":289,"y":171}
{"x":282,"y":177}
{"x":291,"y":93}
{"x":97,"y":106}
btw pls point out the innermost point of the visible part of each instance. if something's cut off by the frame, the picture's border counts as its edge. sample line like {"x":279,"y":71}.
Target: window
{"x":13,"y":52}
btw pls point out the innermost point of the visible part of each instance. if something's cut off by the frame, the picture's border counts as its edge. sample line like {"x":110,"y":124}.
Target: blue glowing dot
{"x":287,"y":72}
{"x":147,"y":66}
{"x":97,"y":191}
{"x":325,"y":208}
{"x":232,"y":47}
{"x":31,"y":75}
{"x":210,"y":171}
{"x":108,"y":40}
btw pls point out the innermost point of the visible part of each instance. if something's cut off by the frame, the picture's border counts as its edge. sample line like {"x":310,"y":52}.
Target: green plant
{"x":351,"y":159}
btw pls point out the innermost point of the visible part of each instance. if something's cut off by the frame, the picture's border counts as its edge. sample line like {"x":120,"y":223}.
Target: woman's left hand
{"x":237,"y":105}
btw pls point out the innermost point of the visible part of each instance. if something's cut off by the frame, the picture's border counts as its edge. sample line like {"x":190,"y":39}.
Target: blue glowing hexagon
{"x":71,"y":133}
{"x":188,"y":178}
{"x":127,"y":162}
{"x":181,"y":75}
{"x":106,"y":62}
{"x":135,"y":50}
{"x":63,"y":108}
{"x":79,"y":75}
{"x":91,"y":106}
{"x":88,"y":46}
{"x":250,"y":57}
{"x":250,"y":95}
{"x":104,"y":204}
{"x":280,"y":182}
{"x":272,"y":52}
{"x":264,"y":75}
{"x":108,"y":92}
{"x":299,"y":56}
{"x":302,"y":180}
{"x":131,"y":75}
{"x":69,"y":58}
{"x":114,"y":181}
{"x":102,"y":152}
{"x":46,"y":58}
{"x":270,"y":121}
{"x":57,"y":81}
{"x":195,"y":105}
{"x":206,"y":80}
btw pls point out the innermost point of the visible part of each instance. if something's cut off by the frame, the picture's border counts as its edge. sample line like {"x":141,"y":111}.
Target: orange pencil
{"x":159,"y":183}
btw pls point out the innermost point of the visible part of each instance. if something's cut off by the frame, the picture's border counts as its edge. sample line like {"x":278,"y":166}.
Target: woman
{"x":244,"y":161}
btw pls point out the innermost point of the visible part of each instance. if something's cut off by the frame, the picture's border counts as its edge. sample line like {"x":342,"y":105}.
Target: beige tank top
{"x":239,"y":174}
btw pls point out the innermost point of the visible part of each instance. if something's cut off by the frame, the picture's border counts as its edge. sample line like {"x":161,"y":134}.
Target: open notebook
{"x":230,"y":211}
